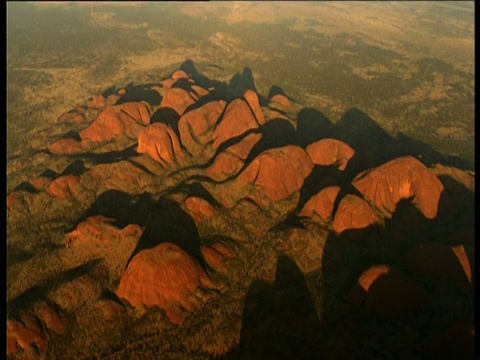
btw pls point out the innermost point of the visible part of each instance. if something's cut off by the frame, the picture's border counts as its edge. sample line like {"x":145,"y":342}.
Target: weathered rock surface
{"x":281,"y":100}
{"x":354,"y":213}
{"x":217,"y":256}
{"x":321,"y":204}
{"x":252,"y":99}
{"x":263,"y":177}
{"x":237,"y":120}
{"x":232,"y":159}
{"x":403,"y":178}
{"x":330,"y":152}
{"x":199,"y":208}
{"x":161,"y":143}
{"x":66,"y":146}
{"x":127,"y":118}
{"x":167,"y":277}
{"x":177,"y":99}
{"x":195,"y":126}
{"x":64,"y":186}
{"x":26,"y":334}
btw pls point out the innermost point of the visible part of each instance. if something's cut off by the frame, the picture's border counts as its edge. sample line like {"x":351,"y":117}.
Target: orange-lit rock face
{"x":25,"y":334}
{"x":230,"y":161}
{"x":199,"y":208}
{"x":53,"y":321}
{"x":13,"y":198}
{"x":402,"y":178}
{"x":439,"y":261}
{"x":72,"y":116}
{"x":65,"y":185}
{"x":321,"y":203}
{"x":194,"y":125}
{"x":177,"y":99}
{"x":330,"y":152}
{"x":161,"y":143}
{"x":179,"y":74}
{"x":237,"y":120}
{"x":40,"y":183}
{"x":389,"y":294}
{"x":252,"y":99}
{"x":281,"y":100}
{"x":98,"y":234}
{"x":354,"y":213}
{"x":217,"y":255}
{"x":164,"y":276}
{"x":277,"y":173}
{"x":127,"y":118}
{"x":66,"y":146}
{"x":98,"y":102}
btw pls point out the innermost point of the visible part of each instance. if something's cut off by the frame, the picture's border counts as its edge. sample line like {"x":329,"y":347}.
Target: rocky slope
{"x":193,"y":218}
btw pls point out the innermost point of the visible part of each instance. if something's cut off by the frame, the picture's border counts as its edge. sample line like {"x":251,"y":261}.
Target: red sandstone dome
{"x":26,"y":334}
{"x":66,"y":146}
{"x":354,"y":213}
{"x":65,"y":185}
{"x":128,"y":118}
{"x":330,"y":152}
{"x":161,"y":143}
{"x":281,"y":100}
{"x":252,"y":99}
{"x":321,"y":203}
{"x":177,"y":99}
{"x":277,"y":173}
{"x":199,"y":208}
{"x":401,"y":179}
{"x":217,"y":255}
{"x":237,"y":120}
{"x":231,"y":160}
{"x":196,"y":124}
{"x":164,"y":276}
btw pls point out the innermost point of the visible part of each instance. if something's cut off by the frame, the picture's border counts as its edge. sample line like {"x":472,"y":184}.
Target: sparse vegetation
{"x":419,"y":98}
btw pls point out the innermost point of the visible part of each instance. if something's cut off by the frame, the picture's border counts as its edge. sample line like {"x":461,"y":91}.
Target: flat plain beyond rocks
{"x":164,"y":207}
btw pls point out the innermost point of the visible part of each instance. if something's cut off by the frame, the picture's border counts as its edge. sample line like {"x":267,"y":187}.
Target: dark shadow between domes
{"x":312,"y":125}
{"x":280,"y":321}
{"x":168,"y":222}
{"x":140,"y":93}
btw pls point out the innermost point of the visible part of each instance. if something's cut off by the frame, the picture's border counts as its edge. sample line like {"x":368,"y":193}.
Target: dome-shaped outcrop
{"x":277,"y":173}
{"x":237,"y":120}
{"x":199,"y":208}
{"x":327,"y":152}
{"x":161,"y":143}
{"x":231,"y":160}
{"x":354,"y":213}
{"x":252,"y":99}
{"x":127,"y":118}
{"x":65,"y":185}
{"x":177,"y":99}
{"x":66,"y":146}
{"x":26,"y":334}
{"x":401,"y":179}
{"x":164,"y":276}
{"x":321,"y":204}
{"x":196,"y":125}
